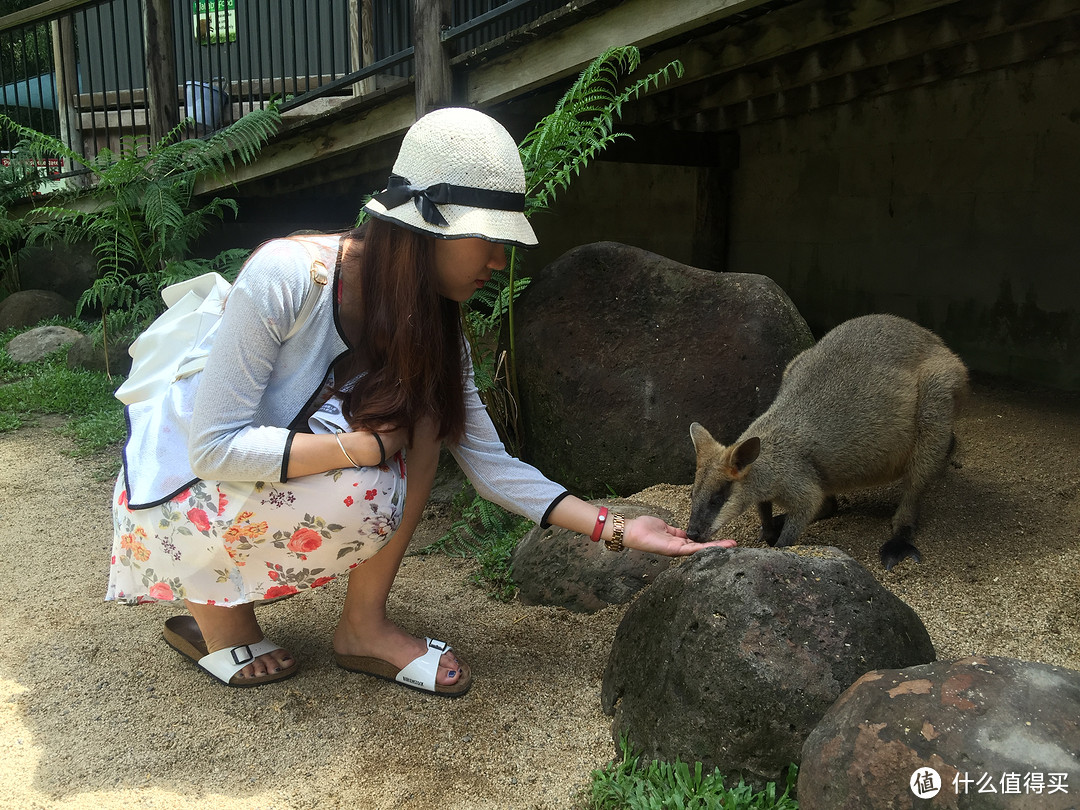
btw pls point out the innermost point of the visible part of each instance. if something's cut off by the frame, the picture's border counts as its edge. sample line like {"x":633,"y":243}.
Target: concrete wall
{"x":956,"y":204}
{"x":650,"y":207}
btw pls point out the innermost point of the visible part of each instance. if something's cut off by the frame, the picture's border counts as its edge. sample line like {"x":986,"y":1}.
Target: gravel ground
{"x":96,"y":713}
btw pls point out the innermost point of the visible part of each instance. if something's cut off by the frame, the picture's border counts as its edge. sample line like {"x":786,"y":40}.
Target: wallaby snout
{"x":872,"y":402}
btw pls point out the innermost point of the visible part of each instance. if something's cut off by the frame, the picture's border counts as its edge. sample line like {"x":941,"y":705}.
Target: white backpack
{"x":178,"y":342}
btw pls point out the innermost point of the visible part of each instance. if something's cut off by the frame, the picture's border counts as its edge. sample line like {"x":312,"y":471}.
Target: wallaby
{"x":871,"y":403}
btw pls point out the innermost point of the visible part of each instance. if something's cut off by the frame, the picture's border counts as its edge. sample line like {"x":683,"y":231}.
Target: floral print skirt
{"x":226,"y":543}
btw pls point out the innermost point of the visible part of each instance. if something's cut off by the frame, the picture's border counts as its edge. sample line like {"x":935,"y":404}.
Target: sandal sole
{"x":183,"y":635}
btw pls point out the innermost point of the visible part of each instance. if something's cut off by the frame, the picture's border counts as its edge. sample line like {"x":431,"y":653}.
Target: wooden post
{"x":67,"y":84}
{"x":361,"y":42}
{"x":355,"y":43}
{"x":433,"y":79}
{"x":162,"y":99}
{"x":367,"y":40}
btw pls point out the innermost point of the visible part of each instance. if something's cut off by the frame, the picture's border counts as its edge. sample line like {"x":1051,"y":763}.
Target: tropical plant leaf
{"x":583,"y":123}
{"x":138,"y":212}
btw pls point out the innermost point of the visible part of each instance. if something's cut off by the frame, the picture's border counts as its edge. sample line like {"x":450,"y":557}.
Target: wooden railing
{"x":116,"y":69}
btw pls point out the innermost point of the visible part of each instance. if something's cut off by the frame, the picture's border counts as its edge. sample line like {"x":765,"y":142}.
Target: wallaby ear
{"x":700,"y":437}
{"x":743,"y":455}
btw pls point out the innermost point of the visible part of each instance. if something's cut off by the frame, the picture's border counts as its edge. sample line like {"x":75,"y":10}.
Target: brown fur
{"x":872,"y":402}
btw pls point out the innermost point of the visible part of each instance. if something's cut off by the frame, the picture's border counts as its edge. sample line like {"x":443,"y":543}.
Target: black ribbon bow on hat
{"x":399,"y":191}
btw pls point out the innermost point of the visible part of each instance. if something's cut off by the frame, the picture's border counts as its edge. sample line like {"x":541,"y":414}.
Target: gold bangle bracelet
{"x":618,"y":527}
{"x":337,"y":435}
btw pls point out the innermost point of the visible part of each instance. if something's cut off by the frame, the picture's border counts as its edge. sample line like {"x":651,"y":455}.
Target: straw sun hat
{"x":458,"y":174}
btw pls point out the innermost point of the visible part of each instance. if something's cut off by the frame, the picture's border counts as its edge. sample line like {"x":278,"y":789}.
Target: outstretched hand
{"x":648,"y":533}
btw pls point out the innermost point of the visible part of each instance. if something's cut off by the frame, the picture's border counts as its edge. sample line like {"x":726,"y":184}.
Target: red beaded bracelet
{"x":598,"y":529}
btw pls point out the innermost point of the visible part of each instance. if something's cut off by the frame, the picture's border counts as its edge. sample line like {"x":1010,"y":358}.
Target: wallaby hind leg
{"x":899,"y":548}
{"x":934,"y":441}
{"x":920,"y":475}
{"x":828,"y":508}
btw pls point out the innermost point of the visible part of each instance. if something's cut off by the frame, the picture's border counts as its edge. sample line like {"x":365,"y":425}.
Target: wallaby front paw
{"x":771,"y":534}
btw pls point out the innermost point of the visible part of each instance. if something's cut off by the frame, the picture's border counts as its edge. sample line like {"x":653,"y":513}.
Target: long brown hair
{"x":408,"y":337}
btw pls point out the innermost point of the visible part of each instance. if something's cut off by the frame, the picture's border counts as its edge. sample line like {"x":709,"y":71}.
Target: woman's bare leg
{"x":364,"y":628}
{"x":224,"y":627}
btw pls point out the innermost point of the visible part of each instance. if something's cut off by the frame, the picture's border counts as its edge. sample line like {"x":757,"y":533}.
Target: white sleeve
{"x":224,"y":442}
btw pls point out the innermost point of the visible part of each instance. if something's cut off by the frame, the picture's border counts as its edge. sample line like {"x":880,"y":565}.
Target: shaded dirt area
{"x":97,"y":713}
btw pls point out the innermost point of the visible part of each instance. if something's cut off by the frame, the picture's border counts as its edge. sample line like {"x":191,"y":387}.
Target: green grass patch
{"x":94,"y":417}
{"x":631,"y":785}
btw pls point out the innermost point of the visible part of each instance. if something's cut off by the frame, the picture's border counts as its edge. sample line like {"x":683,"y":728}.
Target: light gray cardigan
{"x":229,"y":423}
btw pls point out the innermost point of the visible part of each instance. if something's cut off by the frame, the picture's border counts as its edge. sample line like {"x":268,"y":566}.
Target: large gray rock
{"x":34,"y":344}
{"x":561,"y":568}
{"x":31,"y":307}
{"x":90,"y":353}
{"x":620,"y":350}
{"x":66,"y":269}
{"x":731,"y":658}
{"x":996,"y":732}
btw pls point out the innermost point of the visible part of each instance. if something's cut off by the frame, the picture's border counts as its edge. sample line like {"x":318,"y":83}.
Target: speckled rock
{"x":619,"y":350}
{"x":30,"y":307}
{"x":731,"y":658}
{"x":34,"y":344}
{"x":90,"y":353}
{"x":561,"y":568}
{"x":980,"y":733}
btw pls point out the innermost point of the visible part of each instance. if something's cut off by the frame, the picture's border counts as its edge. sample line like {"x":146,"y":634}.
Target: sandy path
{"x":96,"y":713}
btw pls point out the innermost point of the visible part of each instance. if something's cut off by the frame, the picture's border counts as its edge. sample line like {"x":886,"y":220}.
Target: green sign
{"x":215,"y":21}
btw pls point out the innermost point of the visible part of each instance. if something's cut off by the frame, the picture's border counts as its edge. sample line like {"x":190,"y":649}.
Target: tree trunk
{"x":162,"y":98}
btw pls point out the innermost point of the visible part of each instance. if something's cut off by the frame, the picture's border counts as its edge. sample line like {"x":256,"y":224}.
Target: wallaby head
{"x":719,"y":496}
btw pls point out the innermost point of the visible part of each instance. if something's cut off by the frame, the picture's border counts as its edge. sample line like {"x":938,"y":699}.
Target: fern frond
{"x":227,"y":263}
{"x":162,"y":210}
{"x":582,"y":123}
{"x":139,"y":214}
{"x":482,"y":376}
{"x":481,"y":522}
{"x":491,"y":304}
{"x":243,"y":139}
{"x":487,"y":533}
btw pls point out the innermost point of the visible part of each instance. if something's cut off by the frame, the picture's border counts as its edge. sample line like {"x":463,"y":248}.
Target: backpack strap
{"x":319,"y":279}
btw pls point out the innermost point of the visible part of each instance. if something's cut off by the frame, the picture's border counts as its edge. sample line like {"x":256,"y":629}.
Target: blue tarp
{"x":38,"y":92}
